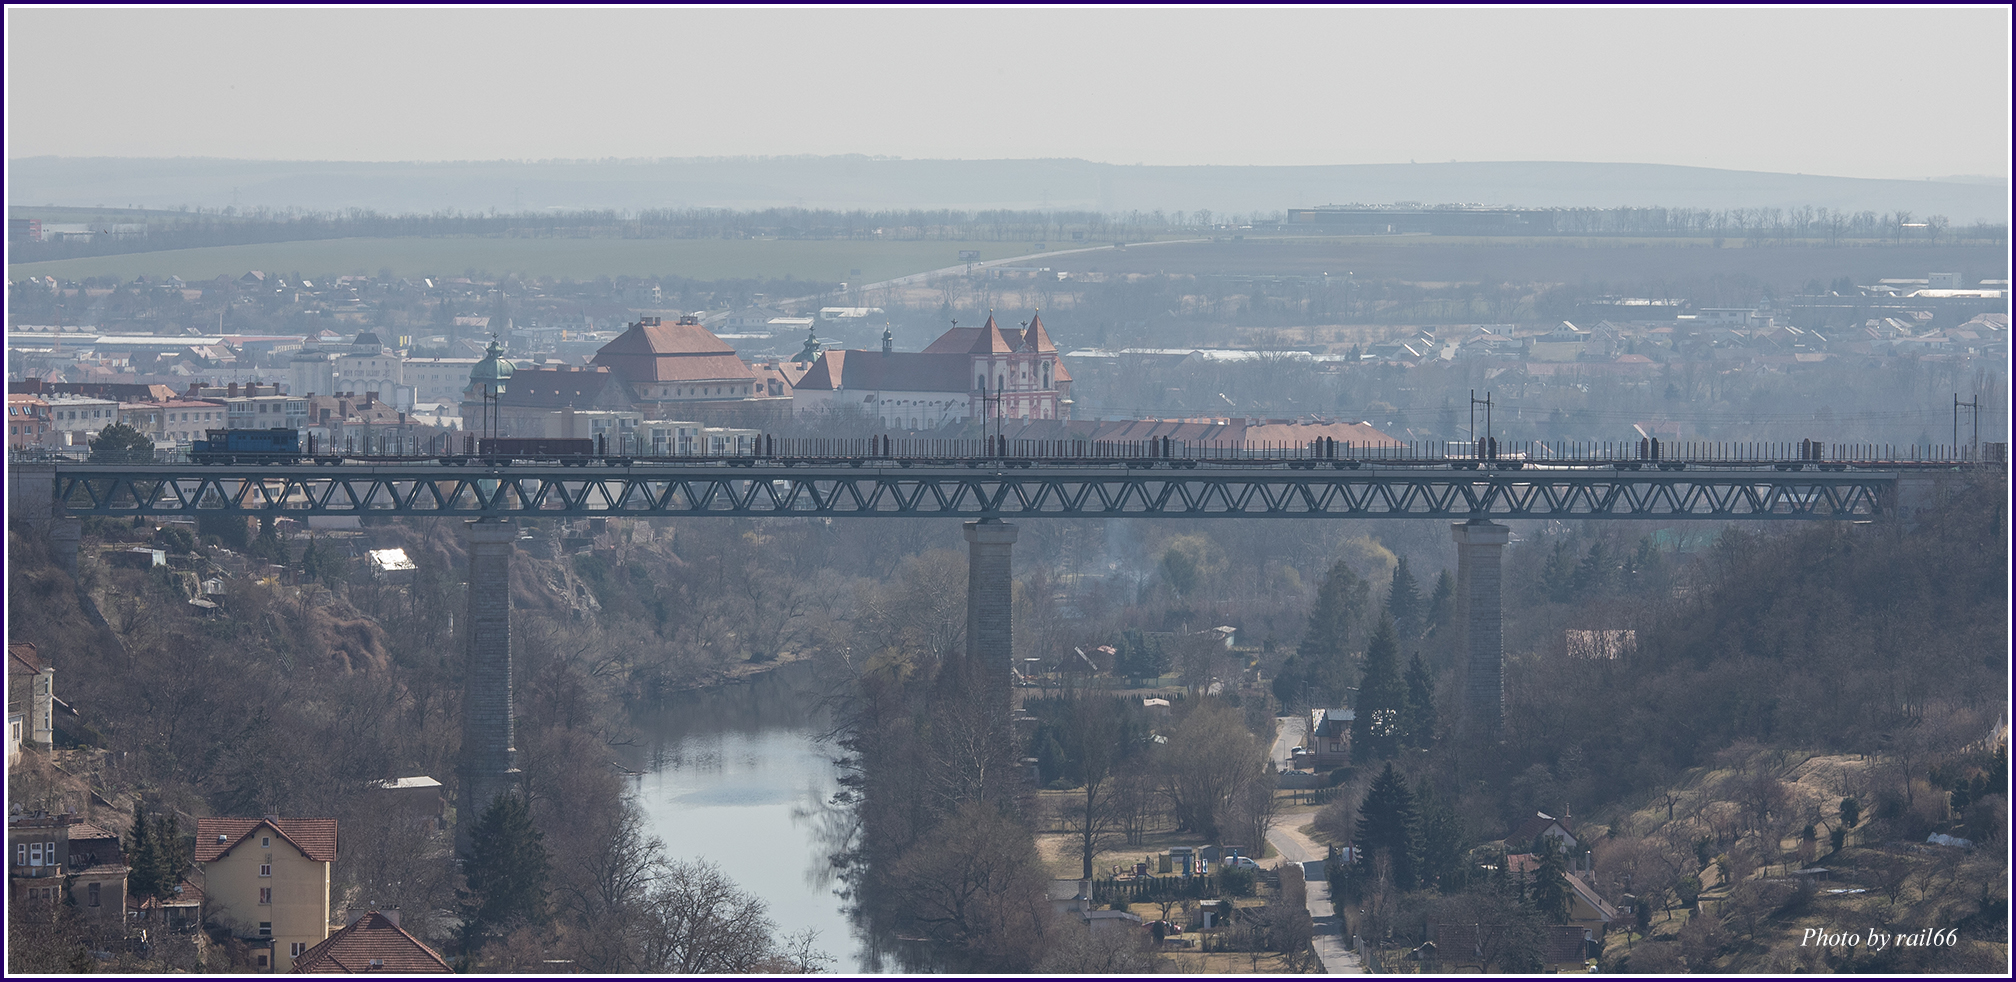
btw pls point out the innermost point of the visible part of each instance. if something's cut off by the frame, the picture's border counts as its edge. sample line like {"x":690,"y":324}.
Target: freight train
{"x":284,"y":446}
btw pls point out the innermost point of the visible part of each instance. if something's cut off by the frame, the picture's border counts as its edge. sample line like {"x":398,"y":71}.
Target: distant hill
{"x":870,"y":183}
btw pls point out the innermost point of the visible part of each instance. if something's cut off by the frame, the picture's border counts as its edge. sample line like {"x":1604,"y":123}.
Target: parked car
{"x":1242,"y":862}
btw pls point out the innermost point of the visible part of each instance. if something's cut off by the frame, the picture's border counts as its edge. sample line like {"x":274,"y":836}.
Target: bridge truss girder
{"x":969,"y":493}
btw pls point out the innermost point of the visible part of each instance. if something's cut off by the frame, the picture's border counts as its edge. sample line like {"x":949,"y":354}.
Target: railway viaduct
{"x":992,"y":493}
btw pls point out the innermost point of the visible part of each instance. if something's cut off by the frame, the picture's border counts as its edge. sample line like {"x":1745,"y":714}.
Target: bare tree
{"x":702,"y":923}
{"x":1208,"y":764}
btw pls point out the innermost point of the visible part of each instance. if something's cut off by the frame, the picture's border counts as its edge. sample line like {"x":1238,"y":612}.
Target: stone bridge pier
{"x":31,"y":499}
{"x":1480,"y":548}
{"x":489,"y":764}
{"x":990,"y":607}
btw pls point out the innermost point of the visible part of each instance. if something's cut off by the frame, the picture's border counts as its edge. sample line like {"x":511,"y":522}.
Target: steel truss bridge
{"x":974,"y":489}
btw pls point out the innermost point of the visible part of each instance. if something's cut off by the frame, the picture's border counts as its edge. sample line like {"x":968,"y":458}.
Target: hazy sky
{"x":1900,"y":93}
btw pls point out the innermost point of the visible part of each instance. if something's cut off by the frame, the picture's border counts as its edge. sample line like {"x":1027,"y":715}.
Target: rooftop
{"x":314,"y":837}
{"x":372,"y":943}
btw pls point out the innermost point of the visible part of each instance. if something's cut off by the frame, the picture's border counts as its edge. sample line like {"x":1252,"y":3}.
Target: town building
{"x":60,"y":858}
{"x":256,"y":411}
{"x":186,"y":420}
{"x":74,"y":420}
{"x":266,"y":880}
{"x":967,"y":373}
{"x":1329,"y":738}
{"x":311,"y":370}
{"x":370,"y":366}
{"x":372,"y":943}
{"x":653,"y":370}
{"x":662,"y":366}
{"x":28,"y":422}
{"x":435,"y":380}
{"x":31,"y":700}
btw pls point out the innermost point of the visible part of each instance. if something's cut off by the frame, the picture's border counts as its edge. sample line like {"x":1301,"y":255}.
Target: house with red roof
{"x":266,"y":880}
{"x":372,"y":943}
{"x":653,"y":370}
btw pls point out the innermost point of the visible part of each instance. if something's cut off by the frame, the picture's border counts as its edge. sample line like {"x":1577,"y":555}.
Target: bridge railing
{"x":1506,"y":454}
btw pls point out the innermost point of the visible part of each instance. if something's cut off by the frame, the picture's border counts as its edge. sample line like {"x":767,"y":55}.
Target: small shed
{"x":140,"y":557}
{"x":390,"y":564}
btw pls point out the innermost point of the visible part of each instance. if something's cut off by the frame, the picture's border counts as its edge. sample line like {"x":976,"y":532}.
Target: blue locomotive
{"x":279,"y":445}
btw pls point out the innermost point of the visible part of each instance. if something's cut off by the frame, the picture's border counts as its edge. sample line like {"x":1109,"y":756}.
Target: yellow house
{"x":267,"y":881}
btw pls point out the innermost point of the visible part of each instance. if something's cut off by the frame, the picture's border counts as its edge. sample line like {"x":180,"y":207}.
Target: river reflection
{"x":737,"y":775}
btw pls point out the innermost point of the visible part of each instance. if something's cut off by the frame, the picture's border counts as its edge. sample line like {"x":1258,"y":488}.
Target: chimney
{"x":231,"y":389}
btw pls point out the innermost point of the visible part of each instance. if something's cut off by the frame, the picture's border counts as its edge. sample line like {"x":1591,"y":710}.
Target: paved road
{"x":1288,"y":732}
{"x":916,"y":278}
{"x":1296,"y":847}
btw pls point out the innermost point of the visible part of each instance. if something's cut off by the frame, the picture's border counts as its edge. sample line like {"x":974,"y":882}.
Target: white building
{"x":74,"y":420}
{"x":371,"y":367}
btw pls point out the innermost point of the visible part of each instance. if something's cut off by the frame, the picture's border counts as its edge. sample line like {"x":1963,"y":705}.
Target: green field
{"x":579,"y":259}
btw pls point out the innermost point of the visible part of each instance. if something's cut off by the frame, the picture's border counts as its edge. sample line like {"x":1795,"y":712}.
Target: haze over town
{"x":1056,"y":490}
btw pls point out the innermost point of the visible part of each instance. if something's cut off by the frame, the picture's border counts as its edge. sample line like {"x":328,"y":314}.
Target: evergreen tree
{"x":1442,"y":853}
{"x":121,"y":444}
{"x":1390,"y":826}
{"x":1179,"y":568}
{"x":1318,"y":672}
{"x":1442,"y":603}
{"x":1382,"y":699}
{"x":142,"y":856}
{"x":1594,"y":574}
{"x":311,"y":558}
{"x":1645,"y":564}
{"x":1403,"y":601}
{"x":506,"y":871}
{"x":154,"y":853}
{"x":268,"y":546}
{"x":1139,"y":657}
{"x":1550,"y":882}
{"x":1557,"y":578}
{"x":1418,"y":722}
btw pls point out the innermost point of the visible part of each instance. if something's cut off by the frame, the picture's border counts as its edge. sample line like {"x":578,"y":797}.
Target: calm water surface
{"x":737,"y":775}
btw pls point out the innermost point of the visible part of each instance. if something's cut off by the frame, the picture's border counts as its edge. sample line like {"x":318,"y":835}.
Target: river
{"x":737,"y":775}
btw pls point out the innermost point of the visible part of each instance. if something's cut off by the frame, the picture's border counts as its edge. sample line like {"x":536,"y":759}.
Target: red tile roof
{"x":992,"y":340}
{"x":372,"y":944}
{"x":1035,"y":338}
{"x":654,"y":352}
{"x":314,"y":837}
{"x":956,"y":341}
{"x":1533,"y":827}
{"x":24,"y":652}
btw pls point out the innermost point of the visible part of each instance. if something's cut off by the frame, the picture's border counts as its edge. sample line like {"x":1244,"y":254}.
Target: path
{"x":1288,"y":732}
{"x":1295,"y":847}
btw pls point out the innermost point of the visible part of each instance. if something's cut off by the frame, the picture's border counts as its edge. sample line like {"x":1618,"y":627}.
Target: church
{"x":968,"y":373}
